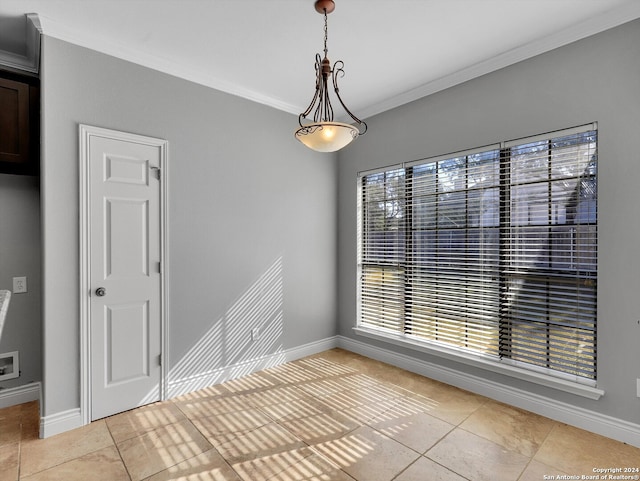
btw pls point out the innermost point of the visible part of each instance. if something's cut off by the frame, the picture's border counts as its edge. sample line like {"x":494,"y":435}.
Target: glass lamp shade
{"x":327,"y":136}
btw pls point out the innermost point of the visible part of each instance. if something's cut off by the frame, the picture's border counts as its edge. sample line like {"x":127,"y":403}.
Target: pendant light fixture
{"x":324,"y":134}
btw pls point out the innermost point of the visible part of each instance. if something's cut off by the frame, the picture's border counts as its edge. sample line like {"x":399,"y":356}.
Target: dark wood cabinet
{"x":19,"y":124}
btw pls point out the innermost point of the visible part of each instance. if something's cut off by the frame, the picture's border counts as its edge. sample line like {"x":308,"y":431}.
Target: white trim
{"x":212,"y":377}
{"x":311,"y":348}
{"x":60,"y":422}
{"x":30,"y":62}
{"x":164,"y":272}
{"x":21,"y":394}
{"x":592,"y":26}
{"x":560,"y":383}
{"x":602,"y":424}
{"x":74,"y":418}
{"x":608,"y":426}
{"x":197,"y":75}
{"x":566,"y":382}
{"x":85,"y":133}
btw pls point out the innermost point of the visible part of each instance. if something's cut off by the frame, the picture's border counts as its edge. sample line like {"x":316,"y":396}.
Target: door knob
{"x":101,"y":291}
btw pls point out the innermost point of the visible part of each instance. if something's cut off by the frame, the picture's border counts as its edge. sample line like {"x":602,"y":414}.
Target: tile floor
{"x":333,"y":416}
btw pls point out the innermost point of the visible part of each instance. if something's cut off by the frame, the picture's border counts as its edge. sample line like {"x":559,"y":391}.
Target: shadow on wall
{"x":246,"y":338}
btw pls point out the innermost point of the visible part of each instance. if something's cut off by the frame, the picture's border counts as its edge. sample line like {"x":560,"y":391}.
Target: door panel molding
{"x":121,"y":168}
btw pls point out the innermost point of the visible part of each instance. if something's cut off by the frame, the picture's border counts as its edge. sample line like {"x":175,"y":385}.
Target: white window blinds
{"x":383,"y":249}
{"x":491,"y":252}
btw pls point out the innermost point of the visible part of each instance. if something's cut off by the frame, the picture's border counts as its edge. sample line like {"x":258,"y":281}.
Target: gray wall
{"x":595,"y":79}
{"x":20,"y":256}
{"x":252,"y":216}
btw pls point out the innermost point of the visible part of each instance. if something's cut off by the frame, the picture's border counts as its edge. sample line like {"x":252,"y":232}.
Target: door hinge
{"x":159,"y":359}
{"x":159,"y":266}
{"x":156,"y":171}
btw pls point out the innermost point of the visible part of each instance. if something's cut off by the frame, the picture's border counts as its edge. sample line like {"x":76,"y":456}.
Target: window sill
{"x":500,"y":367}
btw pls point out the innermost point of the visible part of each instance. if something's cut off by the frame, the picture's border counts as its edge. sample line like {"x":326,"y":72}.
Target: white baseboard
{"x":604,"y":425}
{"x":67,"y":420}
{"x":582,"y":418}
{"x":19,"y":395}
{"x":49,"y":425}
{"x":178,"y":387}
{"x":311,"y":348}
{"x":60,"y":422}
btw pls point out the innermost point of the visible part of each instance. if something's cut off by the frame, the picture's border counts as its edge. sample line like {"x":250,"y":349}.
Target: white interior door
{"x":124,"y":275}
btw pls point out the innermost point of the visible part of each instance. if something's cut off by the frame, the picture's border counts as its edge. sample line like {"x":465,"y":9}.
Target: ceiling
{"x":394,"y":51}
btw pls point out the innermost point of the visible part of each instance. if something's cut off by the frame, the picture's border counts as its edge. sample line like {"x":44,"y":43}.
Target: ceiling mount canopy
{"x":324,"y":134}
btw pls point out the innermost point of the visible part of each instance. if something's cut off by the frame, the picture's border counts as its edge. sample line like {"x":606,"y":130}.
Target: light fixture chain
{"x":325,"y":33}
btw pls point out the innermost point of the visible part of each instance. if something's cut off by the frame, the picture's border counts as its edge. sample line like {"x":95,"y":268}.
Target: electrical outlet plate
{"x":9,"y":365}
{"x":19,"y":285}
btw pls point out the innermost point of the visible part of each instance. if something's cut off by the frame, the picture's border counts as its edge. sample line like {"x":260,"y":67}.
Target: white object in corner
{"x":5,"y":296}
{"x":9,"y":365}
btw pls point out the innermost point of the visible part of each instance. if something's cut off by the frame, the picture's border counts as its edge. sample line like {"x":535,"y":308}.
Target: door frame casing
{"x":86,"y":132}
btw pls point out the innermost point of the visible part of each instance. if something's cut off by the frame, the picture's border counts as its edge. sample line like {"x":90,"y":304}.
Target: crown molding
{"x":59,"y":31}
{"x":605,"y":21}
{"x":30,"y":62}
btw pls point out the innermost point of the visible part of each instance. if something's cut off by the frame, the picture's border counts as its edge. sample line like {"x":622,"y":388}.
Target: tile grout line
{"x":213,"y":446}
{"x":309,"y":446}
{"x":365,"y":399}
{"x":19,"y":468}
{"x":532,"y":458}
{"x":115,"y":445}
{"x":556,"y":424}
{"x":312,"y":447}
{"x":60,"y":463}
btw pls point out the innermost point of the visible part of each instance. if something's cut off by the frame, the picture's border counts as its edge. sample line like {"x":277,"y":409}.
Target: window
{"x":491,"y":252}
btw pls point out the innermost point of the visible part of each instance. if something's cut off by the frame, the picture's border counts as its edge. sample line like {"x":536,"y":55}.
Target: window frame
{"x":504,"y":365}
